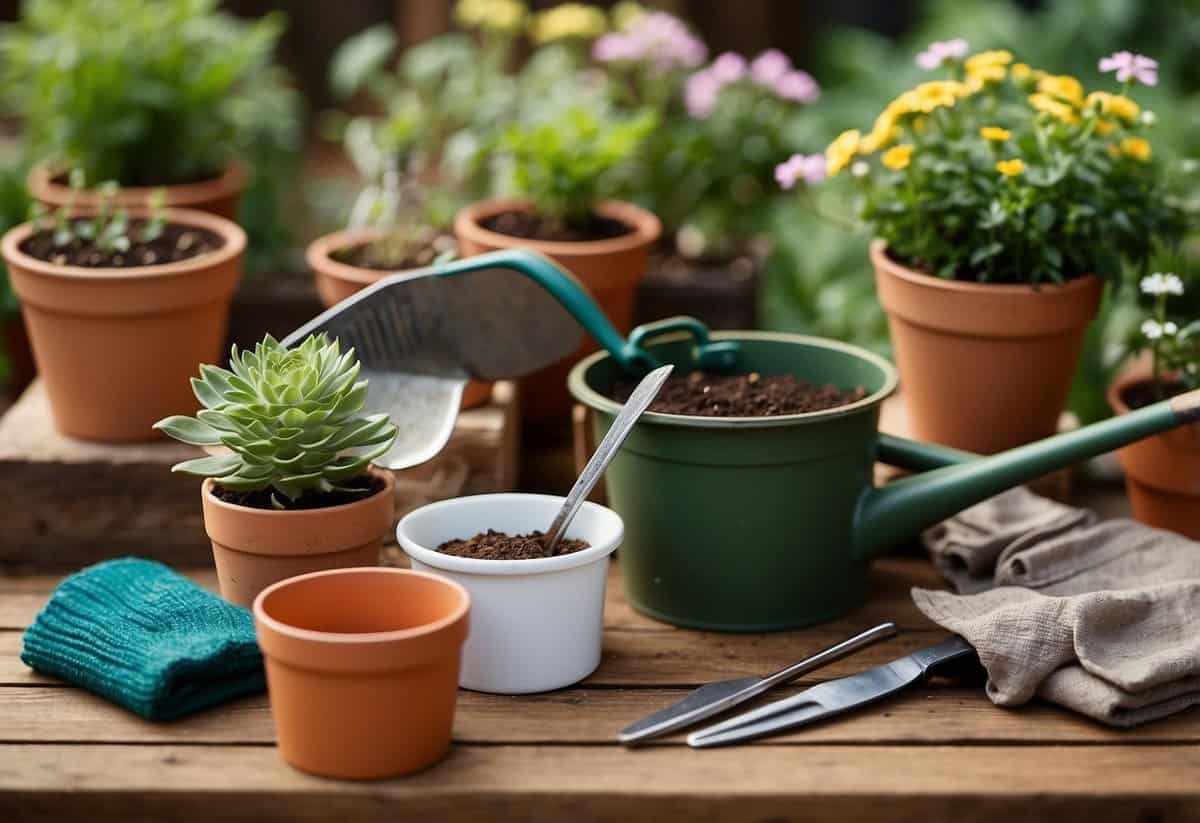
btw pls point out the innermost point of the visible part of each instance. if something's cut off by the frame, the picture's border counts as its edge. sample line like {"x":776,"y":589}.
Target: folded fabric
{"x":1096,"y":616}
{"x":147,"y":638}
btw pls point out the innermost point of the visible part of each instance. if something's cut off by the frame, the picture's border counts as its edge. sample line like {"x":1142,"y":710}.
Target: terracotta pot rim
{"x":231,"y":180}
{"x":502,"y":568}
{"x":883,"y":260}
{"x":230,"y":232}
{"x":647,"y":228}
{"x":319,"y":256}
{"x":459,"y":612}
{"x":584,"y":393}
{"x":389,"y":482}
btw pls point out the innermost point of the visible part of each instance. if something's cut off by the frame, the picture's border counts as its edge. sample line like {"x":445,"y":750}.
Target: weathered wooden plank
{"x":85,"y":502}
{"x":604,"y":783}
{"x":941,"y":715}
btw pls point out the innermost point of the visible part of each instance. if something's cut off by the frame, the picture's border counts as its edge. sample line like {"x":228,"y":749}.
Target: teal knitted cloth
{"x":147,"y":638}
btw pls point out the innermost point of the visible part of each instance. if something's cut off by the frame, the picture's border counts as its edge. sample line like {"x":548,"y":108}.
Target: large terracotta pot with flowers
{"x":999,"y":198}
{"x":1162,"y":473}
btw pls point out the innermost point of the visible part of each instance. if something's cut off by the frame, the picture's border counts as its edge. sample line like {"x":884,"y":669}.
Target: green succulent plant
{"x":290,"y":418}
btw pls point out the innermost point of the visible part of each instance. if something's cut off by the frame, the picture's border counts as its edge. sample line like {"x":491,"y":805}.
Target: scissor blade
{"x":819,"y":702}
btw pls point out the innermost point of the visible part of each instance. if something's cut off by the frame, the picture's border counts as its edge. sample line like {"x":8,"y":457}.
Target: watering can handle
{"x":954,"y":480}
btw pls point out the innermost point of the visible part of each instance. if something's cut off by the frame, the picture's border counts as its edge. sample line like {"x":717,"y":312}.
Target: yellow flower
{"x":985,"y":74}
{"x":625,"y":13}
{"x":1056,"y":108}
{"x":1115,"y":104}
{"x":493,"y":15}
{"x":1011,"y":168}
{"x":979,"y":61}
{"x":1062,"y":86}
{"x":1136,"y":147}
{"x":1021,"y":71}
{"x":995,"y":133}
{"x":841,"y":151}
{"x":897,"y":157}
{"x":1104,"y":126}
{"x":570,"y":20}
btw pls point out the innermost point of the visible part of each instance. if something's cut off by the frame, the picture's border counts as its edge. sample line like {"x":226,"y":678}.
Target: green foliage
{"x":1174,"y":344}
{"x":568,"y":164}
{"x":144,"y":92}
{"x":289,"y":417}
{"x":14,"y":209}
{"x":107,"y":229}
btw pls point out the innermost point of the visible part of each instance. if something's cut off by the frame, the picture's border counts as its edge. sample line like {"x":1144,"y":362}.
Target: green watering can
{"x":731,"y":524}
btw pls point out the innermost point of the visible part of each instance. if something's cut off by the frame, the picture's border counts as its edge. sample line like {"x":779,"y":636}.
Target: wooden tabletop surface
{"x":938,"y":752}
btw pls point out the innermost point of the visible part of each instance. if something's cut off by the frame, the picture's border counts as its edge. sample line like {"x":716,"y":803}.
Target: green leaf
{"x":209,"y":466}
{"x":189,"y":430}
{"x":359,"y":57}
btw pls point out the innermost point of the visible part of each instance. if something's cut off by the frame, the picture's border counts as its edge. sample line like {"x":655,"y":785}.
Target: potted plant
{"x":149,"y":98}
{"x":294,"y":491}
{"x":537,"y":619}
{"x":121,"y":305}
{"x":562,"y":168}
{"x":362,"y":668}
{"x":708,"y":172}
{"x":1162,"y":473}
{"x":14,"y":342}
{"x":1001,"y":199}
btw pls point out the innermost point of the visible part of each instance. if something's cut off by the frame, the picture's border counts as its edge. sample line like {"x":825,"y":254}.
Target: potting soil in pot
{"x":368,"y":256}
{"x":742,"y":395}
{"x":353,"y":490}
{"x":1145,"y":393}
{"x":494,"y":545}
{"x":531,"y":226}
{"x":173,"y":244}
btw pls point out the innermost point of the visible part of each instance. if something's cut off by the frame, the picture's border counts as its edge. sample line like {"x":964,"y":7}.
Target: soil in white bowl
{"x":495,"y":545}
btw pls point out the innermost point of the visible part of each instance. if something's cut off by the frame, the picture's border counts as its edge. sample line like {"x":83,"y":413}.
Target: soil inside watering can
{"x":532,"y":226}
{"x":704,"y":394}
{"x":494,"y":545}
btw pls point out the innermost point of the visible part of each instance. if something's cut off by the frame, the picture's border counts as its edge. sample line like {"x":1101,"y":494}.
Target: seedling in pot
{"x":290,"y":420}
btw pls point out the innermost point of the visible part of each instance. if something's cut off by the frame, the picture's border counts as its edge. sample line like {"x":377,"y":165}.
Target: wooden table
{"x":939,"y":752}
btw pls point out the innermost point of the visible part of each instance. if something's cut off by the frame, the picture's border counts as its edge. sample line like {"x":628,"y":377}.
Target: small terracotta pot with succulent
{"x":1002,"y":197}
{"x":561,"y":171}
{"x":291,"y":488}
{"x":1162,"y":473}
{"x":121,"y":306}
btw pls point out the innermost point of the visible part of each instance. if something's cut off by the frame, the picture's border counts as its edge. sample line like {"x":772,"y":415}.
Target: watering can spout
{"x":902,"y":509}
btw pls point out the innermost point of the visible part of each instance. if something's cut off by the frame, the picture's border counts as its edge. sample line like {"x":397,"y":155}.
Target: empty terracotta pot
{"x":983,"y":367}
{"x":253,"y":548}
{"x":116,"y":347}
{"x":609,"y":269}
{"x":336,"y":281}
{"x":221,"y":195}
{"x":362,"y":668}
{"x":1162,"y":473}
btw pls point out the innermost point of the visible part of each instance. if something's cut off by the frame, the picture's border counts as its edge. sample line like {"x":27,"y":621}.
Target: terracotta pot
{"x":609,"y":269}
{"x":116,"y":347}
{"x":362,"y":668}
{"x":1162,"y":473}
{"x":254,"y":548}
{"x":983,"y":367}
{"x":337,"y":281}
{"x":221,"y":196}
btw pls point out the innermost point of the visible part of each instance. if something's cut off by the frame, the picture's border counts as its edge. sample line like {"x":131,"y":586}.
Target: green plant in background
{"x":568,"y":164}
{"x":290,"y":419}
{"x":1174,"y":347}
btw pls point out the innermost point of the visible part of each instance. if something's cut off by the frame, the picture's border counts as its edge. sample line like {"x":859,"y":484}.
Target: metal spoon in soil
{"x":637,"y":403}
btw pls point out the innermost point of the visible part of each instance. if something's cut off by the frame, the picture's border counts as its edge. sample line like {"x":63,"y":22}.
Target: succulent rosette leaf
{"x":290,"y":419}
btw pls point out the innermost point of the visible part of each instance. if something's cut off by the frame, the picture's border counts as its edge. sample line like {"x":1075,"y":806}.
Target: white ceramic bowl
{"x":536,"y":624}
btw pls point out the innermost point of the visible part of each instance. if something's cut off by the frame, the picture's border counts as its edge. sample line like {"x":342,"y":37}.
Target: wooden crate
{"x":69,"y":503}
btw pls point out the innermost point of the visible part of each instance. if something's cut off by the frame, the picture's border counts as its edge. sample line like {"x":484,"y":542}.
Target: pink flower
{"x":939,"y":51}
{"x":797,"y":85}
{"x":768,"y":67}
{"x":658,"y":37}
{"x":700,"y":94}
{"x":807,"y":167}
{"x":615,"y":47}
{"x":728,"y":68}
{"x":1129,"y":66}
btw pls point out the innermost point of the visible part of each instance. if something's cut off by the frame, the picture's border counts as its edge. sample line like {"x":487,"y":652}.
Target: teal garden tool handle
{"x":954,"y":480}
{"x":571,"y":294}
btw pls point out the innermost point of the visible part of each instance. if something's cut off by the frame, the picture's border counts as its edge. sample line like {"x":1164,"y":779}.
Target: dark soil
{"x":174,"y":244}
{"x":531,"y":226}
{"x":358,"y":488}
{"x":494,"y":545}
{"x":365,"y":257}
{"x":1144,"y":394}
{"x":742,"y":395}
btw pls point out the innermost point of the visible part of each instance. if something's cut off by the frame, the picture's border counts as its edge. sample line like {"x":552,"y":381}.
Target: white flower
{"x":1160,"y":283}
{"x":1153,"y":330}
{"x":1148,"y":118}
{"x":860,"y":168}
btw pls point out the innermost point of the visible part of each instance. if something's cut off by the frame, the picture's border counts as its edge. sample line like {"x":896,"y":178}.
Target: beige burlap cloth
{"x":1102,"y":617}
